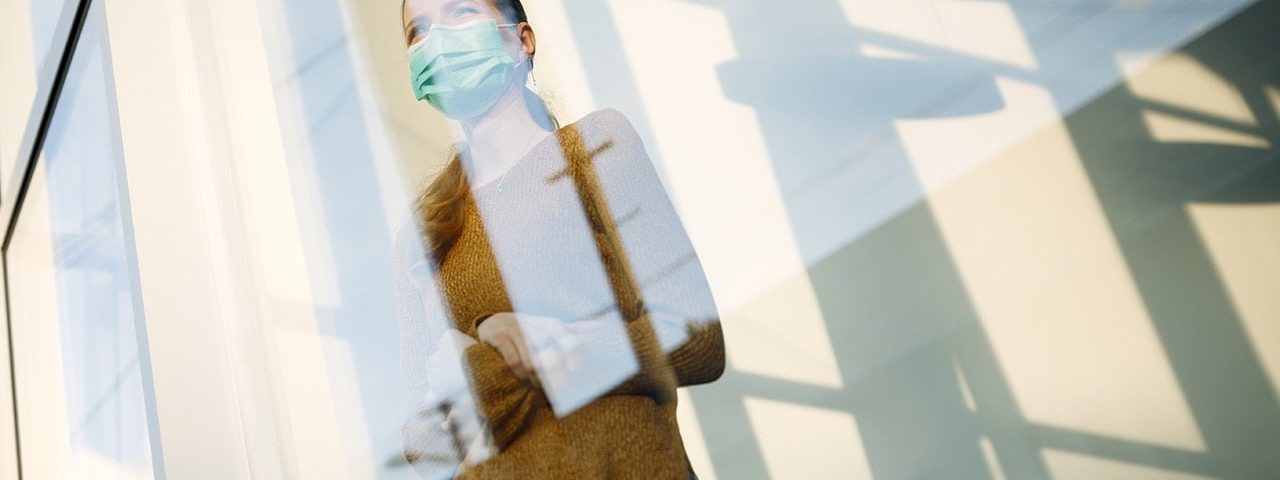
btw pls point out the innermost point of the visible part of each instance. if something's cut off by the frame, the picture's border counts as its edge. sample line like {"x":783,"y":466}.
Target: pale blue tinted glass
{"x":44,"y":25}
{"x":30,"y":35}
{"x":106,"y":411}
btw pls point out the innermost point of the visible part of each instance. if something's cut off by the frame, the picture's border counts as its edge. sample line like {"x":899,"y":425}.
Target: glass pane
{"x":983,"y":238}
{"x":349,"y":189}
{"x":27,"y":35}
{"x":360,"y":151}
{"x":81,"y":406}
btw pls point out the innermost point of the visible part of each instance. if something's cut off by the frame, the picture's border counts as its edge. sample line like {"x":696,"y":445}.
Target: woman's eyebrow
{"x":422,"y":21}
{"x":455,"y":3}
{"x":414,"y":22}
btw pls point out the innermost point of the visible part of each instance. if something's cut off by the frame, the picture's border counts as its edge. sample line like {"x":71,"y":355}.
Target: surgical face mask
{"x":461,"y":70}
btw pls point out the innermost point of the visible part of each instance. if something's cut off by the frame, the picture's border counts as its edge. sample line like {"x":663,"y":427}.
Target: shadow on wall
{"x":1146,"y":186}
{"x":897,"y":287}
{"x":898,"y":312}
{"x":895,"y":308}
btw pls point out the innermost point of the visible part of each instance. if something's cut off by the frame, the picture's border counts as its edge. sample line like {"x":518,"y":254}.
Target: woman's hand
{"x":460,"y":339}
{"x":448,"y":377}
{"x":502,"y":331}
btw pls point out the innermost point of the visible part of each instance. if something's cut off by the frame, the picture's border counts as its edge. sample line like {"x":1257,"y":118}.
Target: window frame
{"x":51,"y":76}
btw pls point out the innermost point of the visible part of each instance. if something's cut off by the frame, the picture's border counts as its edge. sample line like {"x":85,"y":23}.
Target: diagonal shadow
{"x":903,"y":391}
{"x":1144,"y":186}
{"x":896,"y":353}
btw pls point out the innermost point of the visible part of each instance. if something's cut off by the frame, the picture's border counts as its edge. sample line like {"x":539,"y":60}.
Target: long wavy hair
{"x":439,"y":208}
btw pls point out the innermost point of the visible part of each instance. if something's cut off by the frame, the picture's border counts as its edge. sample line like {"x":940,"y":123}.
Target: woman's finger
{"x":503,"y":332}
{"x":526,"y":358}
{"x":510,"y":355}
{"x":521,"y":367}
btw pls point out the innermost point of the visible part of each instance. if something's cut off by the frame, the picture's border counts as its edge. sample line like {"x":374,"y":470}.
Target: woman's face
{"x":420,"y":15}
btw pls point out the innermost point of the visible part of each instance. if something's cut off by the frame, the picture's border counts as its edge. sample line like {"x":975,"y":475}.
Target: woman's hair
{"x":439,"y":207}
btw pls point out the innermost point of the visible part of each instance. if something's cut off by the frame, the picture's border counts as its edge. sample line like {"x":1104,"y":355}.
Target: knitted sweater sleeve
{"x":484,"y":403}
{"x":507,"y":403}
{"x":670,"y":335}
{"x":434,"y":450}
{"x":672,"y":284}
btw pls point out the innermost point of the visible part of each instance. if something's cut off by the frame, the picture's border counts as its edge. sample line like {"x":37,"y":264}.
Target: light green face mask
{"x":461,"y":70}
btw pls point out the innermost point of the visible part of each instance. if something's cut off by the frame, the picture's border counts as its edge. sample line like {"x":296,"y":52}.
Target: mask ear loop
{"x":533,"y":94}
{"x":531,"y":81}
{"x":525,"y":62}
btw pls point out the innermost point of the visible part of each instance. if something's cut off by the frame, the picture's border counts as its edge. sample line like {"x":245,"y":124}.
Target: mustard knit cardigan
{"x":584,"y":204}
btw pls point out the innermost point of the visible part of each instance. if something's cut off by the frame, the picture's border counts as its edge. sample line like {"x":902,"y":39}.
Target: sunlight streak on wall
{"x":719,"y":185}
{"x":1054,"y":293}
{"x":1182,"y":81}
{"x":800,"y":441}
{"x":1174,"y":129}
{"x":1273,"y":94}
{"x":987,"y":31}
{"x":695,"y":444}
{"x":945,"y":149}
{"x":1242,"y":241}
{"x":989,"y":454}
{"x":1074,"y":465}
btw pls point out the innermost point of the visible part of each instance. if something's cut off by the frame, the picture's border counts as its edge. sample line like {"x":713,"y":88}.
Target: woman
{"x":550,"y":299}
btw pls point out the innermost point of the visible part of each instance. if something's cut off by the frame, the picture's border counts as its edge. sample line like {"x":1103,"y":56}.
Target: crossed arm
{"x":509,"y":401}
{"x":505,"y":380}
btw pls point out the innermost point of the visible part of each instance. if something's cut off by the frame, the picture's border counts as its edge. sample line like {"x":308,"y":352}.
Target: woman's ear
{"x":528,"y":39}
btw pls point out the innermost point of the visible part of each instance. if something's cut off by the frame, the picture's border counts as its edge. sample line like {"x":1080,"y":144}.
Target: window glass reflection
{"x":30,"y":30}
{"x":611,"y":329}
{"x":79,"y":367}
